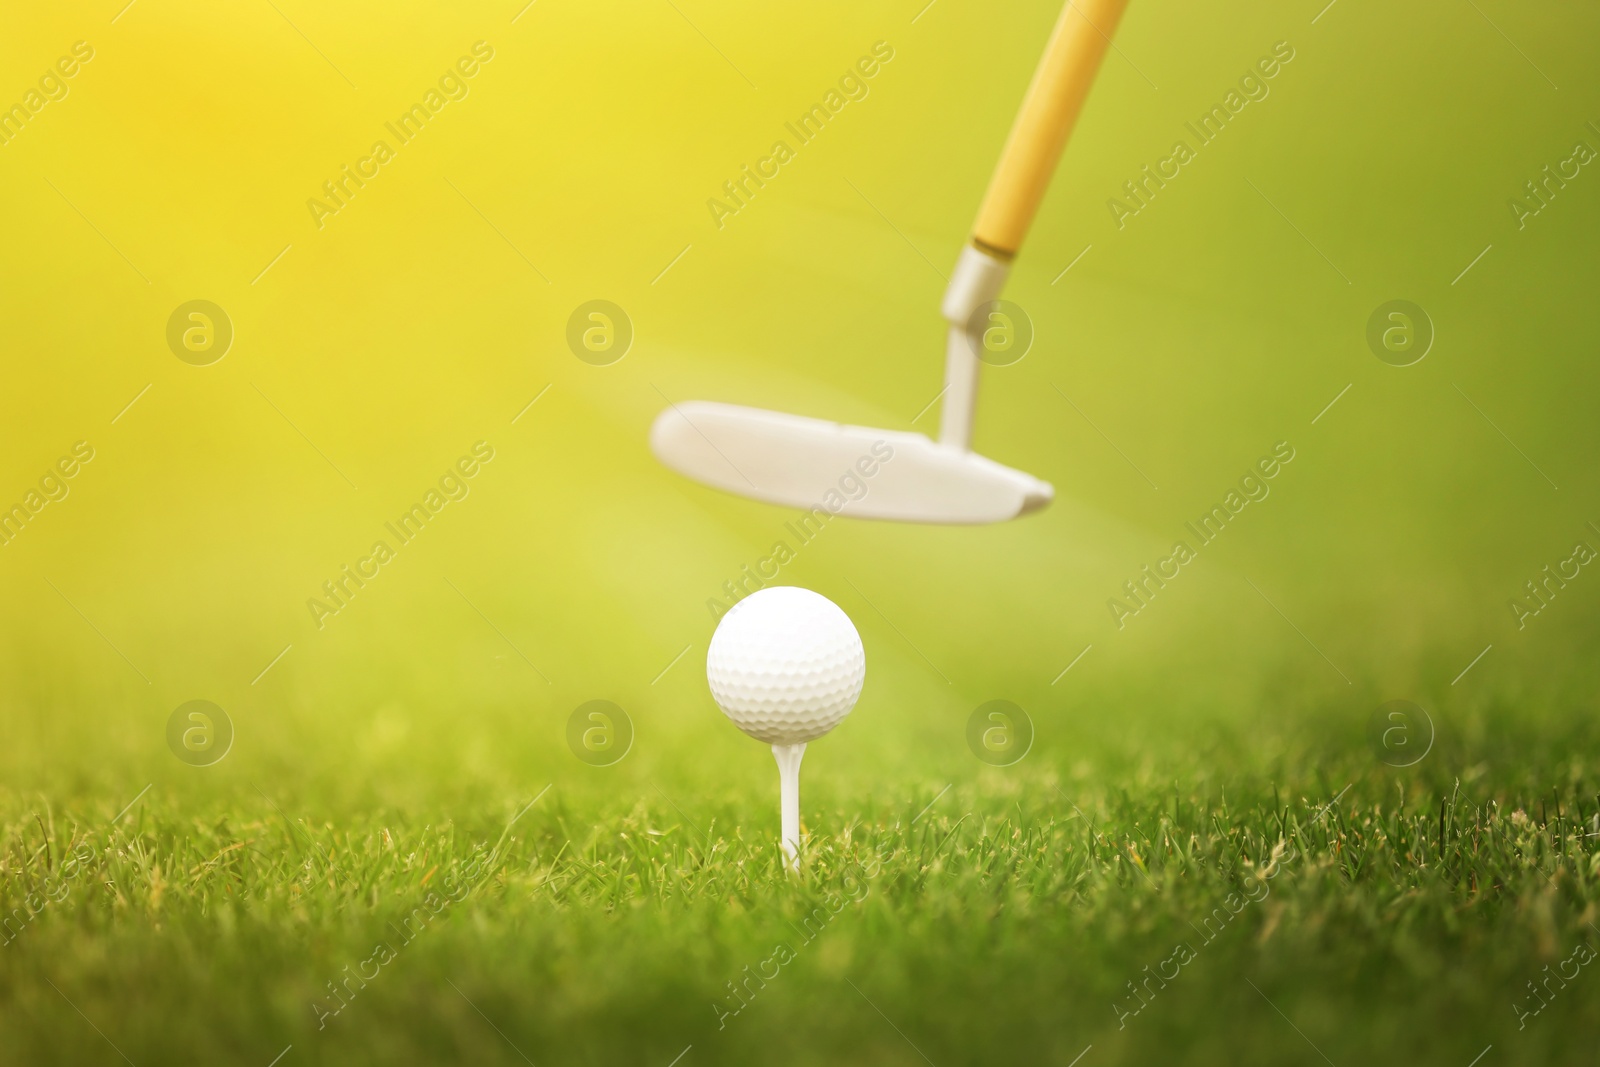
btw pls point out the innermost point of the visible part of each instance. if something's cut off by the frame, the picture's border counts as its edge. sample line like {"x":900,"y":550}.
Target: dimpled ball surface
{"x":786,"y":665}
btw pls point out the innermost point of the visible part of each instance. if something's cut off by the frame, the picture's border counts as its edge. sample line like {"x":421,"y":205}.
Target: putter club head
{"x":812,"y":463}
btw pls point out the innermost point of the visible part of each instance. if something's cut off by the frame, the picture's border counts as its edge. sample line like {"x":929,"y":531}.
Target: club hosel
{"x":978,"y":278}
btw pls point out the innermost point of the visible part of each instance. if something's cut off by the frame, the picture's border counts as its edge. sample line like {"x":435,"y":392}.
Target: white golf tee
{"x":788,"y":757}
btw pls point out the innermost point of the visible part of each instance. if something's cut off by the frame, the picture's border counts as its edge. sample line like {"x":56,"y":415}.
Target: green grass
{"x":1379,"y":915}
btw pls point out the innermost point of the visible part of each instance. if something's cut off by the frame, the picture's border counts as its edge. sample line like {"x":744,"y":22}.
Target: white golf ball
{"x":786,"y":665}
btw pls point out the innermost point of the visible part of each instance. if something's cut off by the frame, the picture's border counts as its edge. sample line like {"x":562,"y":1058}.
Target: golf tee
{"x":788,"y":757}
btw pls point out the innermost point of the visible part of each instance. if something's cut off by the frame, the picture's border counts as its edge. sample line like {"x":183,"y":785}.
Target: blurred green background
{"x":1218,"y":321}
{"x":371,"y":352}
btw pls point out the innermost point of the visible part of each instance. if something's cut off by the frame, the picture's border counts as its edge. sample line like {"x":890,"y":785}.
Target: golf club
{"x":795,"y":460}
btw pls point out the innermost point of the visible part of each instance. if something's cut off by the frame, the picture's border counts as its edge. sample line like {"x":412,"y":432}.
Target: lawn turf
{"x":1302,"y":899}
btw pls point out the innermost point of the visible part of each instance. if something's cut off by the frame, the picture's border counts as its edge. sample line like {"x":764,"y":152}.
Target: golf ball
{"x":786,"y":665}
